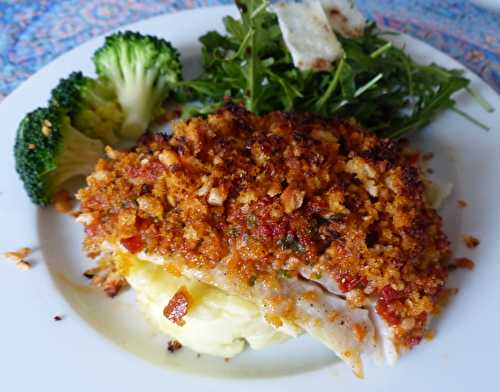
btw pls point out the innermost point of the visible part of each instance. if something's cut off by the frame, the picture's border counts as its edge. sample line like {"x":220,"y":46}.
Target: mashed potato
{"x":216,"y":323}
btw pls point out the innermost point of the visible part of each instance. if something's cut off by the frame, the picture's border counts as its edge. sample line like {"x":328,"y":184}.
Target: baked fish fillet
{"x":321,"y":224}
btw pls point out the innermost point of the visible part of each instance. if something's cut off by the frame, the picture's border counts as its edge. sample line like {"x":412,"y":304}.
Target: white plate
{"x":104,"y":344}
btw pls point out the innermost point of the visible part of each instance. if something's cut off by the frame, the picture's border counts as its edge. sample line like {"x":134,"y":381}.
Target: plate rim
{"x":20,"y":90}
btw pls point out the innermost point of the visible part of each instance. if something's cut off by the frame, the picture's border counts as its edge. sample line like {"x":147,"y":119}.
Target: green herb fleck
{"x":291,"y":243}
{"x":314,"y":226}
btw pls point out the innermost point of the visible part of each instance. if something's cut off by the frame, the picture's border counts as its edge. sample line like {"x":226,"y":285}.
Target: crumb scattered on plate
{"x":462,"y":203}
{"x":471,"y":242}
{"x":57,"y":318}
{"x":19,"y":256}
{"x":23,"y":265}
{"x":464,"y":262}
{"x":173,"y":346}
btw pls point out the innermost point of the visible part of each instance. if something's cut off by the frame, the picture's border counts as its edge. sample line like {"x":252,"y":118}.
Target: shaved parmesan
{"x":344,"y":17}
{"x":308,"y":35}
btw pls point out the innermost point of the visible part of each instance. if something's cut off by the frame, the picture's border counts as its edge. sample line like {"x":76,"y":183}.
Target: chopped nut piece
{"x":217,"y":196}
{"x":274,"y":189}
{"x":464,"y":262}
{"x":246,"y":197}
{"x":462,"y":203}
{"x":23,"y":265}
{"x":168,"y":158}
{"x":62,"y":202}
{"x":31,"y":146}
{"x":205,"y":187}
{"x":173,"y":346}
{"x":100,"y":175}
{"x":111,"y":153}
{"x":218,"y":160}
{"x":365,"y":173}
{"x":471,"y":242}
{"x":292,"y":198}
{"x":408,"y":323}
{"x":150,"y":205}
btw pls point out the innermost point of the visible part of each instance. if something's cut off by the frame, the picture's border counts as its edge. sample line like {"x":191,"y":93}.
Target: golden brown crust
{"x":280,"y":192}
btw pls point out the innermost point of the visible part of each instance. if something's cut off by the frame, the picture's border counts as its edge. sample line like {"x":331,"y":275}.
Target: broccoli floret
{"x":135,"y":74}
{"x":91,"y":105}
{"x":143,"y":71}
{"x":49,"y":151}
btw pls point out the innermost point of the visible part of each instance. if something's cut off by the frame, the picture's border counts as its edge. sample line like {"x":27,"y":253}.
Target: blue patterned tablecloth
{"x":33,"y":32}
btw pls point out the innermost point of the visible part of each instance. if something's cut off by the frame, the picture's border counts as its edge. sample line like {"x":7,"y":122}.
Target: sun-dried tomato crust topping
{"x":280,"y":192}
{"x":178,"y":306}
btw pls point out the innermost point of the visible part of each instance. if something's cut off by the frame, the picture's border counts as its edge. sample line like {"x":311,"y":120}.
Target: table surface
{"x":34,"y":32}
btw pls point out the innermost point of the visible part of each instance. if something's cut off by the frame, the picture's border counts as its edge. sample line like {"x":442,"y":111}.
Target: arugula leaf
{"x":374,"y":82}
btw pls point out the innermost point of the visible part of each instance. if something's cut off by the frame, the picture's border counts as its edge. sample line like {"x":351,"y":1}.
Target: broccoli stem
{"x":77,"y":156}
